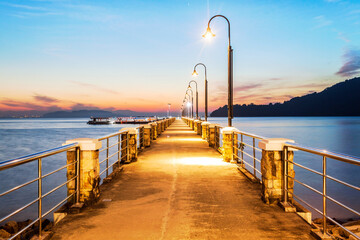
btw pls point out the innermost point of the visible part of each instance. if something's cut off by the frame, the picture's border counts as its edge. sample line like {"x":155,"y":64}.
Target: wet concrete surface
{"x":179,"y":188}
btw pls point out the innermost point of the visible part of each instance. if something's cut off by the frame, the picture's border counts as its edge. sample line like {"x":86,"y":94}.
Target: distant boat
{"x":134,"y":120}
{"x":100,"y":121}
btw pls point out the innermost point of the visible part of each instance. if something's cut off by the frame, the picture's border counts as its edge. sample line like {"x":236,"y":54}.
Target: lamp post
{"x":207,"y":34}
{"x":169,"y":104}
{"x":197,"y":98}
{"x":192,"y":101}
{"x":206,"y":88}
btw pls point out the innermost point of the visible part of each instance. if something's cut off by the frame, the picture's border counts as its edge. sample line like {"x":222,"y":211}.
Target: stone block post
{"x":132,"y":144}
{"x":272,"y":170}
{"x":147,"y":135}
{"x":196,"y":125}
{"x":199,"y":130}
{"x":124,"y":146}
{"x":228,"y":143}
{"x":162,"y":125}
{"x":192,"y":124}
{"x":89,"y":179}
{"x":211,"y":136}
{"x":158,"y":130}
{"x":154,"y":130}
{"x":204,"y":127}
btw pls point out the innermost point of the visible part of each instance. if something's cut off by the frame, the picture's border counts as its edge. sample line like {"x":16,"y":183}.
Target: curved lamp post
{"x":208,"y":34}
{"x":196,"y":97}
{"x":192,"y":101}
{"x":206,"y":88}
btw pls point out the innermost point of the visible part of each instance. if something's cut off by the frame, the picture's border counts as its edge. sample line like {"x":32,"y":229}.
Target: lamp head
{"x":195,"y":73}
{"x":189,"y":87}
{"x":208,"y":34}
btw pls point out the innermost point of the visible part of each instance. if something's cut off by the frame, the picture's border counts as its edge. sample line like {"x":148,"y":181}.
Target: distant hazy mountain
{"x":341,"y":99}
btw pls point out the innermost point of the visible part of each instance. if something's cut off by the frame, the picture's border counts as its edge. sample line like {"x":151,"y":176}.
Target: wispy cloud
{"x":94,"y":87}
{"x":28,"y":105}
{"x":25,"y":7}
{"x":351,"y":66}
{"x":45,"y":99}
{"x":322,"y":21}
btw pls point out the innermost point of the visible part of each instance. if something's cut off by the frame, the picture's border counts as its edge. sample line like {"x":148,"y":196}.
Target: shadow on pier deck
{"x":181,"y":189}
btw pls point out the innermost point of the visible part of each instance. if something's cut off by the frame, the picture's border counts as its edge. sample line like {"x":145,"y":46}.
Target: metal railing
{"x":39,"y":156}
{"x":324,"y":176}
{"x":121,"y":152}
{"x":247,"y":158}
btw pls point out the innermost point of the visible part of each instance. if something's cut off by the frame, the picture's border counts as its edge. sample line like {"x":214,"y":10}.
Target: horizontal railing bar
{"x":57,"y":205}
{"x":101,"y":173}
{"x":251,"y":166}
{"x":250,"y":156}
{"x":24,"y":229}
{"x":109,"y":157}
{"x":306,"y":185}
{"x":344,"y":183}
{"x":344,"y":228}
{"x":342,"y":205}
{"x":18,"y":187}
{"x":56,"y":188}
{"x":28,"y":158}
{"x":250,"y":135}
{"x":322,"y":152}
{"x":100,"y":151}
{"x":306,"y":168}
{"x":18,"y":210}
{"x":306,"y":203}
{"x":48,"y":174}
{"x":115,"y":144}
{"x":113,"y":135}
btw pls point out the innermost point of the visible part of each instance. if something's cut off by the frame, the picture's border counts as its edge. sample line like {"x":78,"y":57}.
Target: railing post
{"x":107,"y":157}
{"x":147,"y":135}
{"x":154,"y":130}
{"x":276,"y":168}
{"x":88,"y":172}
{"x":324,"y":195}
{"x":40,"y":196}
{"x":204,"y":126}
{"x":132,"y":144}
{"x":228,"y":153}
{"x":212,"y":135}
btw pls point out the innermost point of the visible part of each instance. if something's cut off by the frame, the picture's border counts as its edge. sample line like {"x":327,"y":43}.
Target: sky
{"x":139,"y":55}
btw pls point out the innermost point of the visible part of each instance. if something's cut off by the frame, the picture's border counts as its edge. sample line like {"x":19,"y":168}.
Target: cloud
{"x":247,"y":87}
{"x":44,"y":99}
{"x":25,"y":7}
{"x":94,"y":87}
{"x":322,"y":21}
{"x":352,"y":63}
{"x":29,"y":105}
{"x":80,"y":106}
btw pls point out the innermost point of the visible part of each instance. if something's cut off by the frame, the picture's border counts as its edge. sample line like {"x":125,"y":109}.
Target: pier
{"x":179,"y":179}
{"x":181,"y":189}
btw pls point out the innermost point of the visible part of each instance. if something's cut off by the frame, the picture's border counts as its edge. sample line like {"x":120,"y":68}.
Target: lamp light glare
{"x":189,"y":104}
{"x":195,"y":73}
{"x":208,"y":34}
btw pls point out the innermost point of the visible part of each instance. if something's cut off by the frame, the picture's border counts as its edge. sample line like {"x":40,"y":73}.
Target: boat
{"x":99,"y":121}
{"x":134,"y":120}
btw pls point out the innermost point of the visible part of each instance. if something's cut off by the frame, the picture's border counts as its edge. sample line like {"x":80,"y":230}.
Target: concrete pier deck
{"x":181,"y":189}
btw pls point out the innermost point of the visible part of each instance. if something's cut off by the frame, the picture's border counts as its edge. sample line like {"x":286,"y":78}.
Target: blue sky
{"x":139,"y":55}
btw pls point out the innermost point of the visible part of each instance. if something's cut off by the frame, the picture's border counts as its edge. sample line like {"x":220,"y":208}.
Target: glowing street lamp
{"x":197,"y":98}
{"x":209,"y":34}
{"x":206,"y":88}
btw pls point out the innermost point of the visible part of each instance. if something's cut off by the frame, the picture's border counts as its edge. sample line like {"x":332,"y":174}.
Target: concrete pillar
{"x":196,"y":125}
{"x":154,"y":130}
{"x":89,"y":169}
{"x":204,"y":126}
{"x":228,"y":147}
{"x":199,"y":129}
{"x":272,"y":170}
{"x":211,"y":136}
{"x":124,"y":148}
{"x":132,"y":144}
{"x":147,"y":135}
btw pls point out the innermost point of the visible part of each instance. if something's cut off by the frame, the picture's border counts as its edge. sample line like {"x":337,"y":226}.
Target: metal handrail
{"x":322,"y":152}
{"x":38,"y":156}
{"x":31,"y":157}
{"x":323,"y":193}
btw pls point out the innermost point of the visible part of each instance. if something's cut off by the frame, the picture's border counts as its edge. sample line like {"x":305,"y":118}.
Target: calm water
{"x":19,"y":137}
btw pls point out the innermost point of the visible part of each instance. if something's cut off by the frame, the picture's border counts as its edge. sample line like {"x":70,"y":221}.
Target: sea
{"x":20,"y":137}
